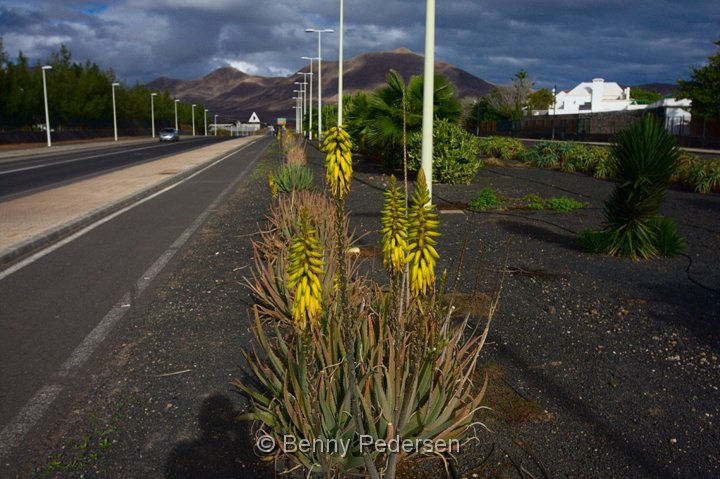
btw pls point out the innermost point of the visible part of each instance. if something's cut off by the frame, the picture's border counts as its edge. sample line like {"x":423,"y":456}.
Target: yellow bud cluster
{"x":304,"y":274}
{"x":273,"y":185}
{"x":394,"y":229}
{"x":338,"y":161}
{"x":421,"y":253}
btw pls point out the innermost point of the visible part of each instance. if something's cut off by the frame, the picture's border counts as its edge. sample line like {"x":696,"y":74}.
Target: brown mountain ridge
{"x":232,"y":93}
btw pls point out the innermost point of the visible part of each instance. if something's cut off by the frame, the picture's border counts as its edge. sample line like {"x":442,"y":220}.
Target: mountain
{"x":232,"y":93}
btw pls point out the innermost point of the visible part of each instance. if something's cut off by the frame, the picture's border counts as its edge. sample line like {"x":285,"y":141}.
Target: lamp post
{"x":303,"y":105}
{"x":311,"y":96}
{"x":215,"y":123}
{"x":552,"y":137}
{"x":340,"y":68}
{"x":205,"y":120}
{"x":193,"y":118}
{"x":114,"y":110}
{"x":47,"y":112}
{"x":428,"y":92}
{"x":176,"y":120}
{"x":152,"y":112}
{"x":319,"y":57}
{"x":298,"y":110}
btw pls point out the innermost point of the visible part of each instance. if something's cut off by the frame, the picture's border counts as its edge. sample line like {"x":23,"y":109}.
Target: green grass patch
{"x":487,"y":198}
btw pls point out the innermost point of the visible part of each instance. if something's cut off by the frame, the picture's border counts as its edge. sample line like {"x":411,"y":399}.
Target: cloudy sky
{"x":558,"y":42}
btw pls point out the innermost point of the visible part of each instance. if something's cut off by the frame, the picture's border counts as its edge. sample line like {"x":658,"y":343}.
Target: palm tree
{"x":377,"y":119}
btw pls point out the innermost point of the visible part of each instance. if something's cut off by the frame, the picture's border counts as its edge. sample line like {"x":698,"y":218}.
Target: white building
{"x":594,"y":97}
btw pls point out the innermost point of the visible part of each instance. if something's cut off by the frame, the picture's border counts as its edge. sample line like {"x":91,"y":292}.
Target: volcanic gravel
{"x":619,"y":357}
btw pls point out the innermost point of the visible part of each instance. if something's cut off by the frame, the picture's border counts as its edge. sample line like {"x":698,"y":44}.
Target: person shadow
{"x":224,"y":450}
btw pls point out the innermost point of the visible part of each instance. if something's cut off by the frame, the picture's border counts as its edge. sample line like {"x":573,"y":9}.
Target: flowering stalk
{"x":421,"y":251}
{"x":303,"y":274}
{"x":394,"y":229}
{"x":338,"y":161}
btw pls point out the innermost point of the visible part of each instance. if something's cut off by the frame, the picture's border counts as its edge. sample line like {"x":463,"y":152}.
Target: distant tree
{"x":480,"y":111}
{"x":703,"y":88}
{"x":511,"y":99}
{"x":644,"y":96}
{"x":540,"y":100}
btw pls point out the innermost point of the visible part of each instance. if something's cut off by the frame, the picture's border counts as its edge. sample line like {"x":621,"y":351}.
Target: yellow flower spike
{"x":273,"y":185}
{"x":338,"y":161}
{"x":421,"y":253}
{"x":303,"y":275}
{"x":394,"y":229}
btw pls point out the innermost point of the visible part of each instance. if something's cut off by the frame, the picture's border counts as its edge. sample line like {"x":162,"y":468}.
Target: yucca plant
{"x":645,"y":158}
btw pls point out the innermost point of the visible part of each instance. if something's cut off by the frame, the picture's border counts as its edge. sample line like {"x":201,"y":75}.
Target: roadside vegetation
{"x":79,"y":96}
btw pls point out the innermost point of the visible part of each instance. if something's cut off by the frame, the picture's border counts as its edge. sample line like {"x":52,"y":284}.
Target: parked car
{"x":169,"y":134}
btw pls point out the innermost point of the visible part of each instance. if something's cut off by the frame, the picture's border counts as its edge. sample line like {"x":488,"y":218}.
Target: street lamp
{"x":311,"y":95}
{"x":114,"y":110}
{"x":428,"y":92}
{"x":554,"y":111}
{"x":193,"y":118}
{"x":205,"y":120}
{"x":298,"y":110}
{"x":319,"y":57}
{"x":303,"y":100}
{"x":176,"y":121}
{"x":305,"y":92}
{"x":152,"y":112}
{"x":47,"y":113}
{"x":340,"y":68}
{"x":215,"y":123}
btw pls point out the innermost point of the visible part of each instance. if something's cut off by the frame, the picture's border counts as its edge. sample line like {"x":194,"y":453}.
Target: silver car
{"x":169,"y":134}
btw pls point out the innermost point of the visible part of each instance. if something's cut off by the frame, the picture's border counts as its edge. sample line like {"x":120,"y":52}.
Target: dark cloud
{"x":558,"y":42}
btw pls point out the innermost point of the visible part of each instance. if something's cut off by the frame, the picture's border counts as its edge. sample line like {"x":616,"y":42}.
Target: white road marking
{"x":35,"y":408}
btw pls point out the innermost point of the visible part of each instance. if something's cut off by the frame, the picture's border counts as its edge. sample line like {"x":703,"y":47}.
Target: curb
{"x":53,"y":235}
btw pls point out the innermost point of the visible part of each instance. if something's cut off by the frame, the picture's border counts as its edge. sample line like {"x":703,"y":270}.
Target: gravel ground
{"x":617,"y":361}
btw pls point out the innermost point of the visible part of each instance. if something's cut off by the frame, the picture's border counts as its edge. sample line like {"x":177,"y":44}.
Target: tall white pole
{"x":311,"y":96}
{"x":428,"y":93}
{"x":176,"y":120}
{"x":340,"y":68}
{"x":205,"y":120}
{"x":193,"y":118}
{"x":152,"y":112}
{"x":47,"y":112}
{"x":301,"y":94}
{"x":216,"y":125}
{"x":319,"y":32}
{"x":319,"y":87}
{"x":114,"y":110}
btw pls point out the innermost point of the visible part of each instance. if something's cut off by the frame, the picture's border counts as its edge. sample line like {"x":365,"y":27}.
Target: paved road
{"x":24,"y":175}
{"x":57,"y":310}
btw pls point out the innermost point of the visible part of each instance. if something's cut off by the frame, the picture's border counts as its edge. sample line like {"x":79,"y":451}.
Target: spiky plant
{"x":644,"y":158}
{"x":421,"y":253}
{"x":394,"y":229}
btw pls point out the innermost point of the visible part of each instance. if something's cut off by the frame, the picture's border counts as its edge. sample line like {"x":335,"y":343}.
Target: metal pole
{"x":114,"y":110}
{"x":176,"y":119}
{"x":152,"y":112}
{"x":319,"y":88}
{"x":552,"y":137}
{"x":340,"y":68}
{"x":428,"y":93}
{"x":216,"y":125}
{"x":311,"y":97}
{"x":47,"y":112}
{"x":193,"y":118}
{"x":205,"y":120}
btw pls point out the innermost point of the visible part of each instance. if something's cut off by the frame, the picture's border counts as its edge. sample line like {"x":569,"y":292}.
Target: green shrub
{"x":706,"y":177}
{"x":685,"y":171}
{"x":562,"y":203}
{"x":455,"y":153}
{"x":501,"y":147}
{"x":485,"y":199}
{"x":645,"y":158}
{"x":292,"y":176}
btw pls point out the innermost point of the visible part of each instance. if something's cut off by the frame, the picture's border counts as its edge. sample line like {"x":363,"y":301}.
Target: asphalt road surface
{"x":25,"y":175}
{"x":56,"y":311}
